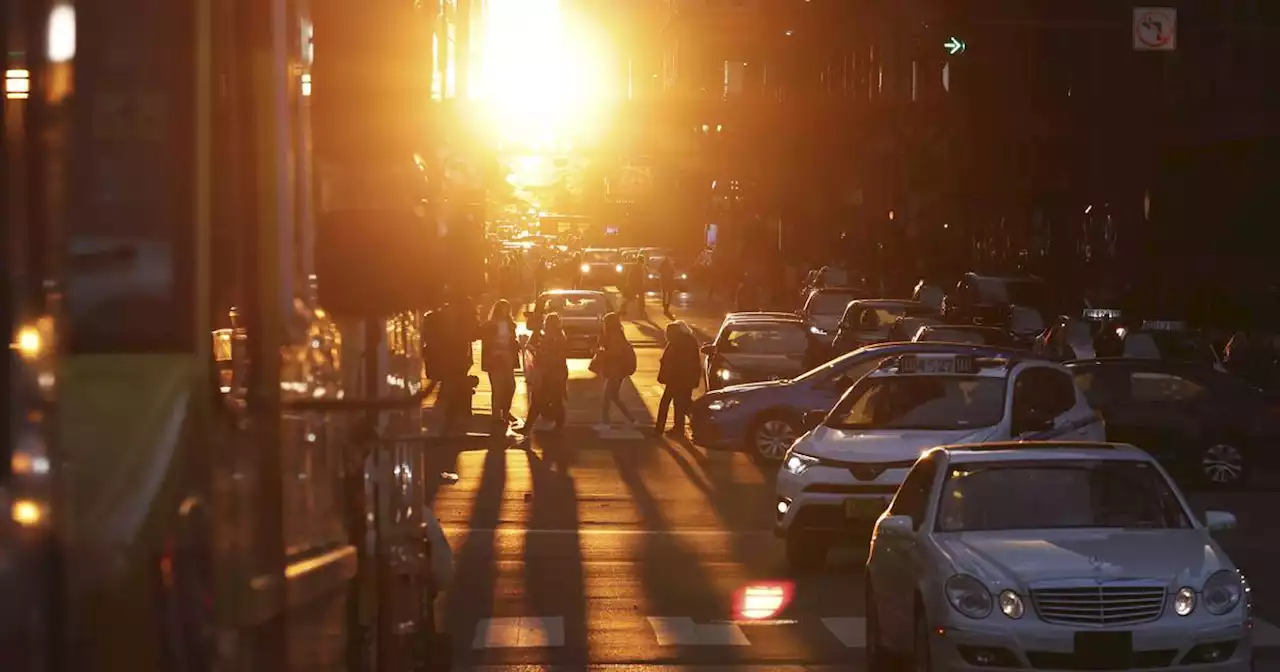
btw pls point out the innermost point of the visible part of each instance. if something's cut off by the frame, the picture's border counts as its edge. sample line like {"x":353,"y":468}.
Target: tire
{"x":805,"y":551}
{"x":878,"y":657}
{"x":771,"y":436}
{"x":1222,"y":465}
{"x":921,"y":658}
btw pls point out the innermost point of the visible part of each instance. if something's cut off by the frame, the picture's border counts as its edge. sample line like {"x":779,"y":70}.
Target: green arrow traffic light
{"x":954,"y":46}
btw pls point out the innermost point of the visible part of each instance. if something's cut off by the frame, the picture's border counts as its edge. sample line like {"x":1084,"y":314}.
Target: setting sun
{"x":541,"y":78}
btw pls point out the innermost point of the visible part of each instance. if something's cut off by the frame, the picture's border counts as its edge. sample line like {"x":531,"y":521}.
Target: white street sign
{"x":1155,"y":29}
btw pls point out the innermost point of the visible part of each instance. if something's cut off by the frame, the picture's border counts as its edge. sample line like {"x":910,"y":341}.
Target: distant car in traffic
{"x":600,"y":268}
{"x":869,"y":321}
{"x":1051,"y":555}
{"x":765,"y":418}
{"x":824,"y":308}
{"x":581,"y":314}
{"x":751,"y":347}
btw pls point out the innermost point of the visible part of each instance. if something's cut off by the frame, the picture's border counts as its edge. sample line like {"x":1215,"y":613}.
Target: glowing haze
{"x":541,"y":78}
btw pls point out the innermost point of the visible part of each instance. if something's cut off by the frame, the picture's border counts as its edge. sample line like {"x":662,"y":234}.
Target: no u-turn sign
{"x":1155,"y":29}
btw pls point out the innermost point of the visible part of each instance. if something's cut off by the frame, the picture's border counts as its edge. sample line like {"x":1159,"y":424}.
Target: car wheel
{"x":921,"y":660}
{"x":771,"y":437}
{"x":805,"y":551}
{"x":877,"y":655}
{"x":1222,"y":465}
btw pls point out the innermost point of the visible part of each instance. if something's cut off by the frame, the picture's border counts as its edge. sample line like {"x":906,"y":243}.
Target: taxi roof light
{"x":1164,"y":325}
{"x":1101,"y":314}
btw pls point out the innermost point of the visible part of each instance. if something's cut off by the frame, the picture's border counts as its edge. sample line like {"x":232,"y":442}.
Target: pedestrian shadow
{"x":555,"y":572}
{"x":475,"y":561}
{"x":675,"y":580}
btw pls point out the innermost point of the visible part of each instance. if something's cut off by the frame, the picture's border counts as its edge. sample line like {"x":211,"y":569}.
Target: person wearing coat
{"x":499,"y":354}
{"x":551,"y":374}
{"x":614,"y":362}
{"x":679,"y":373}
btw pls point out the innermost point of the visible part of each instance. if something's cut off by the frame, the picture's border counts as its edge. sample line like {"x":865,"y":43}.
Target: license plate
{"x":1104,"y":646}
{"x":936,"y":365}
{"x":862,"y":509}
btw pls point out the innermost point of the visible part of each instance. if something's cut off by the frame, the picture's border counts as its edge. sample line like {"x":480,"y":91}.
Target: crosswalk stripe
{"x":852,"y":632}
{"x":519,"y":632}
{"x":685,"y":632}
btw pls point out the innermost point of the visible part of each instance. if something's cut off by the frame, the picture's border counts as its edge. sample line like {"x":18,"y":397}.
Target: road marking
{"x":852,"y":632}
{"x":609,"y":531}
{"x":1265,"y":634}
{"x":619,"y":434}
{"x":684,"y":632}
{"x":522,"y":632}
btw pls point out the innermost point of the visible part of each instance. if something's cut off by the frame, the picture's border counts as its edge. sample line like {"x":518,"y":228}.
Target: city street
{"x":625,"y":548}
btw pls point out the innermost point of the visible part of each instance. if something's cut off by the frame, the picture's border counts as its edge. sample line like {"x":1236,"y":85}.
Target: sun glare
{"x":541,"y":78}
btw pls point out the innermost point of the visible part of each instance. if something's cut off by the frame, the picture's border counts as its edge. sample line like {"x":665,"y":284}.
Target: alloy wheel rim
{"x":774,"y":438}
{"x":1222,"y":463}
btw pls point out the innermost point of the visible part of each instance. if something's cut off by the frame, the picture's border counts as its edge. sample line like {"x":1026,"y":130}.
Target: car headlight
{"x":722,"y":404}
{"x":684,"y":276}
{"x":726,"y":374}
{"x":618,"y":268}
{"x":585,"y":268}
{"x":817,"y":331}
{"x":1184,"y":601}
{"x":969,"y":596}
{"x":798,"y":463}
{"x":1011,"y":604}
{"x":1223,"y":591}
{"x":652,"y":276}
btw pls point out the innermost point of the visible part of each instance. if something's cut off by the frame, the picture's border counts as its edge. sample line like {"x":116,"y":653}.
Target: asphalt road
{"x":626,"y":549}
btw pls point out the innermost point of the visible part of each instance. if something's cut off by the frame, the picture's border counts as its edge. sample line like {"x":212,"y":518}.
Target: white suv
{"x":1051,"y":555}
{"x":839,"y":477}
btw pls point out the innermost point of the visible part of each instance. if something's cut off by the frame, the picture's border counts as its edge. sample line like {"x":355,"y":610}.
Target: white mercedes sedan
{"x":1051,"y":555}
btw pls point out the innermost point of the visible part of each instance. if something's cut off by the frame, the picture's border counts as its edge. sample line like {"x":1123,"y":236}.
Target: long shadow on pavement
{"x":475,"y":563}
{"x":676,"y":583}
{"x":555,"y":575}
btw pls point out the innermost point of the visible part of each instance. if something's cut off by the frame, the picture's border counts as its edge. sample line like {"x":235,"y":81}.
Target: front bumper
{"x":829,"y":500}
{"x":1170,"y":642}
{"x":718,"y":430}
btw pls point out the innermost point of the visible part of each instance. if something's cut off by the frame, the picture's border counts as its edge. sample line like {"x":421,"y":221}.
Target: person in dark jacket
{"x":499,"y":353}
{"x":679,"y":373}
{"x":667,"y":279}
{"x":1107,"y":342}
{"x":615,"y":362}
{"x":551,"y":374}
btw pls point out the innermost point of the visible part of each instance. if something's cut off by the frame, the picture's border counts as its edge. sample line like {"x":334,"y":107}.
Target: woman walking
{"x":499,"y":352}
{"x":680,"y":373}
{"x":551,"y":371}
{"x":615,"y":362}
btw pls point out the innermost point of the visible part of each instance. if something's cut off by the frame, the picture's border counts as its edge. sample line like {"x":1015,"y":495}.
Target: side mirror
{"x":1033,"y":420}
{"x":895,"y":526}
{"x":709,"y":349}
{"x":1219,"y":521}
{"x":447,"y":478}
{"x":814,"y":418}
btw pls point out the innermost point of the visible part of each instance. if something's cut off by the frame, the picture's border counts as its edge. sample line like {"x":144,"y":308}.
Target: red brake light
{"x":762,"y":601}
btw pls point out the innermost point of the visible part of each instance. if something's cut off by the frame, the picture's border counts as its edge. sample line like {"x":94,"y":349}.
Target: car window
{"x":1151,"y":387}
{"x":830,"y":303}
{"x":767,"y":339}
{"x":1047,"y":390}
{"x":912,"y":498}
{"x":1058,"y":494}
{"x":921,"y":402}
{"x":851,"y":375}
{"x":972,"y":336}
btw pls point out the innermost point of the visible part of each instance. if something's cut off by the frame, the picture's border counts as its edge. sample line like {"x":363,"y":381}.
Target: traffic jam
{"x":1013,"y":467}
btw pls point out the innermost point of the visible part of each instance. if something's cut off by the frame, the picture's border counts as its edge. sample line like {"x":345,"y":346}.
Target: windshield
{"x":1046,"y":495}
{"x":830,"y":303}
{"x":599,"y":256}
{"x":1003,"y":292}
{"x":921,"y":402}
{"x":766,"y":339}
{"x":973,"y":336}
{"x":577,"y":306}
{"x":1180,"y":346}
